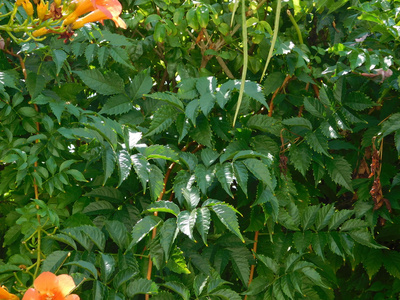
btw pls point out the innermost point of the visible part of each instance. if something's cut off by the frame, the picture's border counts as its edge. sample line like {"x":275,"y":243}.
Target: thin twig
{"x":224,"y":67}
{"x":271,"y":104}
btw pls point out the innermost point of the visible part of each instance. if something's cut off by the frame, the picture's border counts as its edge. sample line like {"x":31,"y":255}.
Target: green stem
{"x":274,"y":37}
{"x":38,"y":257}
{"x":245,"y":61}
{"x":295,"y":26}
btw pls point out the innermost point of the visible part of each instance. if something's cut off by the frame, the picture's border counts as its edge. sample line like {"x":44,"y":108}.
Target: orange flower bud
{"x":19,"y":2}
{"x":42,"y":9}
{"x":28,"y":7}
{"x":40,"y":32}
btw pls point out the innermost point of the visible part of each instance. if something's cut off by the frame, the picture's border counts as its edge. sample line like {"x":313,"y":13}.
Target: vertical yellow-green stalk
{"x":275,"y":35}
{"x":245,"y":61}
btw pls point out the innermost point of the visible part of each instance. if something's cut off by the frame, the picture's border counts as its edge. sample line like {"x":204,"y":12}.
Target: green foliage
{"x":118,"y":153}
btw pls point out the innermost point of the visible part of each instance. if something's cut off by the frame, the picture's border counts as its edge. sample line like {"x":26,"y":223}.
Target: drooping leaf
{"x":186,"y":222}
{"x":192,"y":197}
{"x":226,"y":294}
{"x":109,"y":160}
{"x":164,"y":206}
{"x":162,"y":120}
{"x":160,"y":151}
{"x":124,"y":165}
{"x":300,"y":157}
{"x":260,"y":170}
{"x":107,"y":266}
{"x":339,"y":217}
{"x":88,"y":266}
{"x":224,"y":174}
{"x":178,"y":288}
{"x":203,"y":222}
{"x":141,"y":286}
{"x":241,"y":175}
{"x":140,"y":85}
{"x":54,"y":261}
{"x":168,"y":234}
{"x":358,"y":101}
{"x":298,"y":121}
{"x":156,"y":182}
{"x":314,"y":107}
{"x":177,"y":262}
{"x":117,"y":105}
{"x":142,"y":168}
{"x":202,"y":134}
{"x":373,"y":262}
{"x":240,"y":260}
{"x":314,"y":276}
{"x":204,"y":177}
{"x":209,"y":156}
{"x":107,"y":84}
{"x":118,"y":232}
{"x":324,"y":216}
{"x":142,"y":228}
{"x":167,"y":97}
{"x":340,"y":171}
{"x":317,"y":142}
{"x":228,"y":217}
{"x":363,"y":237}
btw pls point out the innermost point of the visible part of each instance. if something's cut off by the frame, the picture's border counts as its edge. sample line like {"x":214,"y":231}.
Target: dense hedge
{"x":159,"y":160}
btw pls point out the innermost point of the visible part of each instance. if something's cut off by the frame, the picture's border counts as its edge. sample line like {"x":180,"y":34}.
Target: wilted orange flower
{"x":110,"y":9}
{"x":48,"y":286}
{"x":5,"y":295}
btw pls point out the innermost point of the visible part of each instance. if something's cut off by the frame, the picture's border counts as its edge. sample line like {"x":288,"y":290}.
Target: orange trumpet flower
{"x":5,"y":295}
{"x":98,"y":15}
{"x":48,"y":286}
{"x":110,"y":8}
